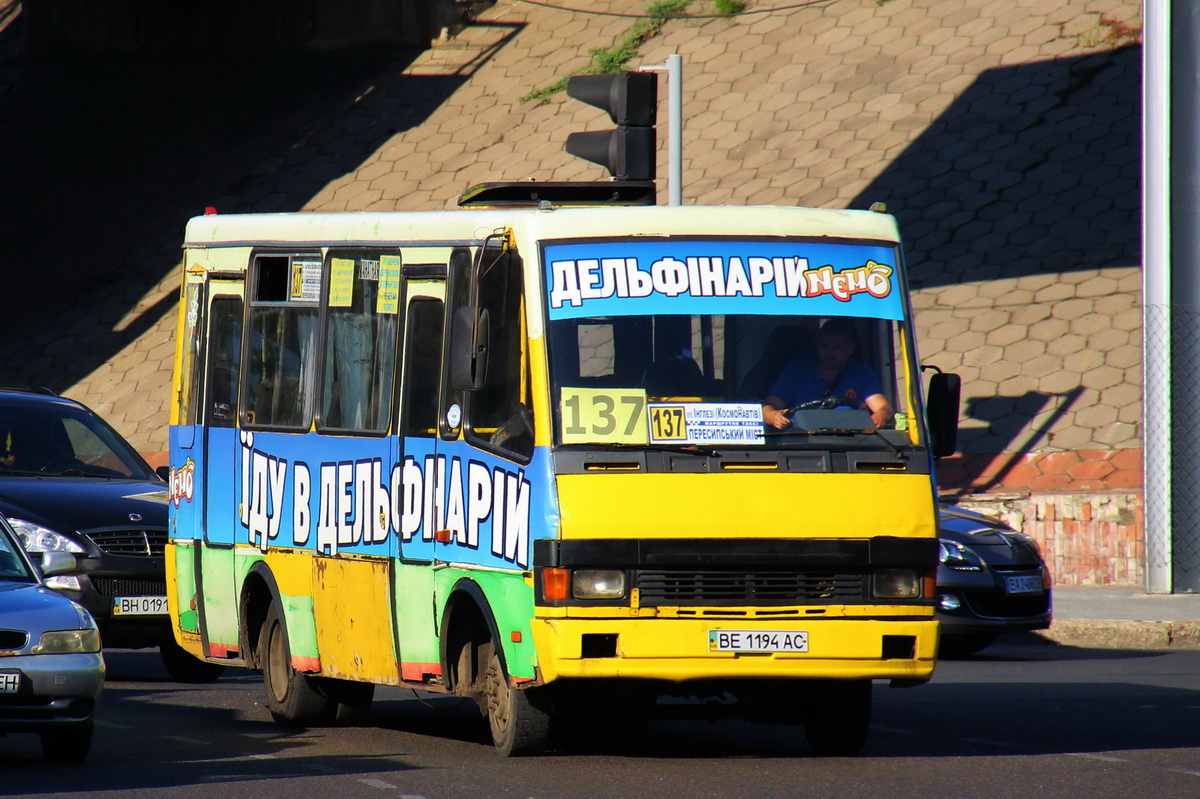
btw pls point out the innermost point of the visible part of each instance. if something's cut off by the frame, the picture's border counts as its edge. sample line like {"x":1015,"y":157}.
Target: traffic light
{"x":631,"y":100}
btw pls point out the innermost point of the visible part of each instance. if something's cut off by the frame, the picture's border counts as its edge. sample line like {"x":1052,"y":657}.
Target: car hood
{"x":83,"y":503}
{"x":34,"y":608}
{"x":985,"y":535}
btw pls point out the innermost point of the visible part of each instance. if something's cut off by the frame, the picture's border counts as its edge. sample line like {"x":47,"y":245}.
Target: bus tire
{"x":294,"y":699}
{"x":837,"y":718}
{"x":518,"y":727}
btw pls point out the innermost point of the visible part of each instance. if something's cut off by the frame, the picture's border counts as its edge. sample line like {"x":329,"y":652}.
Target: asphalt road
{"x":1023,"y":719}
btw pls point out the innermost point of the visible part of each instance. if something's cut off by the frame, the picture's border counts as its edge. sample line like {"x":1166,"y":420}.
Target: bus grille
{"x":116,"y":586}
{"x":131,"y":543}
{"x":747,"y":588}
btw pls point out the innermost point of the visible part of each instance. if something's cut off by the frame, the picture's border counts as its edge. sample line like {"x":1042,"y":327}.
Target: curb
{"x":1122,"y":634}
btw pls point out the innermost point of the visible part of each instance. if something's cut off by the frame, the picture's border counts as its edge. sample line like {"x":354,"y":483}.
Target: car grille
{"x":998,"y":606}
{"x":131,"y":543}
{"x":13,"y":639}
{"x":747,"y":588}
{"x":117,"y":586}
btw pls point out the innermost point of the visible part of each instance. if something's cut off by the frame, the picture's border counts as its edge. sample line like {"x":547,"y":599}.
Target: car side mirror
{"x":58,"y":563}
{"x":164,"y":472}
{"x":469,"y":349}
{"x":941,"y":412}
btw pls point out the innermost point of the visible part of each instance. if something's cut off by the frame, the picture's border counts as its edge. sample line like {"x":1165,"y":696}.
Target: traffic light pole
{"x":674,"y":69}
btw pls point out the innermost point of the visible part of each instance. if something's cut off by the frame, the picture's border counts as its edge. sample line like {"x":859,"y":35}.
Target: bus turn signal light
{"x":555,"y":584}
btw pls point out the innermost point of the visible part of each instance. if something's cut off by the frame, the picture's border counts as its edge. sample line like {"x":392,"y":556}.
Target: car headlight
{"x":598,"y":583}
{"x":36,"y":538}
{"x":68,"y":642}
{"x":954,"y":555}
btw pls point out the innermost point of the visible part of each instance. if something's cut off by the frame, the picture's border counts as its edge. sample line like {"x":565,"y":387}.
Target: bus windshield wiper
{"x":688,"y":449}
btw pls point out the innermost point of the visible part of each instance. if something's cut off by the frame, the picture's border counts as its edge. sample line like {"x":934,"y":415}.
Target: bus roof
{"x":469,"y":226}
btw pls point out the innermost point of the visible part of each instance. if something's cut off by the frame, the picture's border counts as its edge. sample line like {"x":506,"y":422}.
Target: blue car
{"x":991,"y":580}
{"x":51,"y":669}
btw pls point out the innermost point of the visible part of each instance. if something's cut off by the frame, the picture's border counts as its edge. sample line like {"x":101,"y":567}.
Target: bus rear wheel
{"x":518,"y":726}
{"x":294,"y":699}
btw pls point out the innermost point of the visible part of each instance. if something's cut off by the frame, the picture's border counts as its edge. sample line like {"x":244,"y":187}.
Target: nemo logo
{"x":182,"y":482}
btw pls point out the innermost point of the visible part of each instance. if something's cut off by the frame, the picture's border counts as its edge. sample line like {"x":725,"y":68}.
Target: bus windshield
{"x":672,"y":369}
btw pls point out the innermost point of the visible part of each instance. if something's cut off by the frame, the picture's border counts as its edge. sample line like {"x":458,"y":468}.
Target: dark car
{"x":70,"y":483}
{"x":991,"y":580}
{"x":51,"y":670}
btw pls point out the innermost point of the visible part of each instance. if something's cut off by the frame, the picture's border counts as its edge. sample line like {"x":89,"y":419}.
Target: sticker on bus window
{"x":388,"y":299}
{"x":708,"y":423}
{"x":341,"y":282}
{"x":306,"y":281}
{"x":603,"y":415}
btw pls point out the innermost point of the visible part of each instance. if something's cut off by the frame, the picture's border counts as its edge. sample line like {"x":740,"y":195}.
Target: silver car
{"x":51,"y":669}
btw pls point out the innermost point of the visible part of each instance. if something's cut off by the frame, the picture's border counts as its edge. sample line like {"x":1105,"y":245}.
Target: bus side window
{"x":281,"y":336}
{"x":500,"y":415}
{"x":360,"y":346}
{"x":423,"y":368}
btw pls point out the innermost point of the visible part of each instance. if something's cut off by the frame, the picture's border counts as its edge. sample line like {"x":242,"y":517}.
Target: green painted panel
{"x":416,"y":628}
{"x":220,"y":595}
{"x":185,"y":587}
{"x":511,"y":602}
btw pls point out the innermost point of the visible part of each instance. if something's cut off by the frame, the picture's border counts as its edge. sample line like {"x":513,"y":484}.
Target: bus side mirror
{"x":941,"y":411}
{"x":469,"y":349}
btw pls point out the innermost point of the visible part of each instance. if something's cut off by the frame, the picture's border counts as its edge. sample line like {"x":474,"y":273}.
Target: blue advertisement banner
{"x":342,"y":495}
{"x":644,"y":278}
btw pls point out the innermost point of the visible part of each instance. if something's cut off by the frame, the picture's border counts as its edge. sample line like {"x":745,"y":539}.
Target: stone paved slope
{"x":1003,"y":133}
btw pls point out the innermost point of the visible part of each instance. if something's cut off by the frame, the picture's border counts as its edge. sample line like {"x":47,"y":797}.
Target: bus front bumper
{"x":689,"y":649}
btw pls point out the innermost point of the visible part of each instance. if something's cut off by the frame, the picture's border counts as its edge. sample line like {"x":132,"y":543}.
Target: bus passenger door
{"x":417,"y":427}
{"x":216,"y":615}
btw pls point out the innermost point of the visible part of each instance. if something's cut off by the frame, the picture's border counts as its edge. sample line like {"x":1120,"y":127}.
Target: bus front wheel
{"x":294,"y":699}
{"x":518,"y":726}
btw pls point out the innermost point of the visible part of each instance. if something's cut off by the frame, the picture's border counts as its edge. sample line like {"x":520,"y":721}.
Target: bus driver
{"x":833,"y":372}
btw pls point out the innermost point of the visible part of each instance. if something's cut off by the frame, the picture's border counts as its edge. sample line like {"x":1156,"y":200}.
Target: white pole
{"x":1156,"y":295}
{"x":675,"y":129}
{"x":674,"y":69}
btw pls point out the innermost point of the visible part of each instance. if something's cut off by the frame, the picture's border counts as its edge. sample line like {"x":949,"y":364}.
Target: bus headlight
{"x":898,"y":584}
{"x":598,"y":583}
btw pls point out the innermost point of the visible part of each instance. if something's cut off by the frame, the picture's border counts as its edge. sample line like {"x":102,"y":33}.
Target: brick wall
{"x":1085,"y":508}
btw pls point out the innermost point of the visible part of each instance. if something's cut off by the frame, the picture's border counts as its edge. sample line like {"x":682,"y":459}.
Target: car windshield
{"x":53,"y":439}
{"x":12,"y":566}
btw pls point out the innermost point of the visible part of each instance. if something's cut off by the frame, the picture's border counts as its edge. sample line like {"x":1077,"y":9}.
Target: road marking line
{"x":1187,"y":771}
{"x":1106,"y":758}
{"x":185,"y":740}
{"x":377,"y":783}
{"x":987,"y":742}
{"x":112,"y":725}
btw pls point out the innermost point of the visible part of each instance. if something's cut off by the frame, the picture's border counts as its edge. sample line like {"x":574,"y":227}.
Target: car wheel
{"x":517,"y":726}
{"x":957,"y":646}
{"x":294,"y":699}
{"x":836,"y":717}
{"x":70,"y":744}
{"x":186,"y":667}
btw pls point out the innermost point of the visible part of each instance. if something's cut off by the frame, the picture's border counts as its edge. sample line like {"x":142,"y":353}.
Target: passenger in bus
{"x":832,"y":375}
